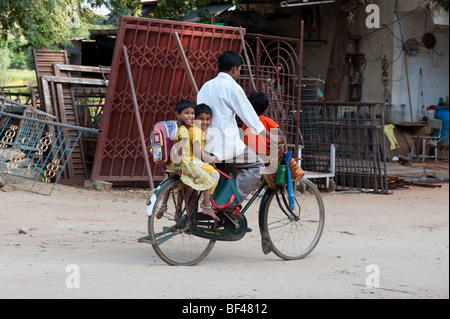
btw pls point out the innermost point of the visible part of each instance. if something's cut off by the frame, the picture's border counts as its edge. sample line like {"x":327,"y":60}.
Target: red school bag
{"x":226,"y":196}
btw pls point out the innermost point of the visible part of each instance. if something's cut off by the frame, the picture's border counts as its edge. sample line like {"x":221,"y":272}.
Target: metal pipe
{"x":68,"y":126}
{"x":286,"y":4}
{"x":138,"y":119}
{"x":409,"y":91}
{"x":247,"y":60}
{"x":185,"y":63}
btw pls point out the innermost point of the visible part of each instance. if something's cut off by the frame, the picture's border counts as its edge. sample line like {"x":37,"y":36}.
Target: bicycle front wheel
{"x":293,"y":234}
{"x":168,"y":228}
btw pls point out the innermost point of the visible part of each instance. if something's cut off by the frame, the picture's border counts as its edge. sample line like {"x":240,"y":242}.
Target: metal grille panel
{"x":160,"y":82}
{"x":36,"y":153}
{"x":276,"y":67}
{"x":357,"y":131}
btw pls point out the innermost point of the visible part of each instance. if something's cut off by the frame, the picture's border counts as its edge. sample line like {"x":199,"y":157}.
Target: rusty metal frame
{"x":44,"y":61}
{"x":77,"y":169}
{"x":58,"y":92}
{"x":279,"y":60}
{"x":47,"y":80}
{"x":160,"y":82}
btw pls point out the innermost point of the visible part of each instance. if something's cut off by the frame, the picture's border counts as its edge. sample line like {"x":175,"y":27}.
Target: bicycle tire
{"x":171,"y":239}
{"x":293,"y":236}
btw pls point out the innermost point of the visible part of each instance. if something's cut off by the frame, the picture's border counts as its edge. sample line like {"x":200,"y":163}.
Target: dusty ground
{"x":403,"y":236}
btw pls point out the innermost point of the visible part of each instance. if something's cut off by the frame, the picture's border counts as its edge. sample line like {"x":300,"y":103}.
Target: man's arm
{"x":277,"y":138}
{"x":244,"y":109}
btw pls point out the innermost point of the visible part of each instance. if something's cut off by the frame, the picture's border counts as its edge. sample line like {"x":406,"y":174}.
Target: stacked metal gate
{"x":357,"y":131}
{"x":74,"y":95}
{"x":273,"y":66}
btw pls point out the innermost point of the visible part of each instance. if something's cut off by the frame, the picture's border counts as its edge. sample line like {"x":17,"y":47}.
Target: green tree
{"x":4,"y":64}
{"x":19,"y":53}
{"x":117,"y":8}
{"x":50,"y":23}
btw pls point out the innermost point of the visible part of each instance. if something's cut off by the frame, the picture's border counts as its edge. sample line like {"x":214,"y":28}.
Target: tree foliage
{"x":117,"y":8}
{"x":177,"y":9}
{"x":50,"y":23}
{"x":4,"y":65}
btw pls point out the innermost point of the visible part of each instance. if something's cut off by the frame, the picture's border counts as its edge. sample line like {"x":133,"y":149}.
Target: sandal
{"x":211,"y":213}
{"x":161,"y":211}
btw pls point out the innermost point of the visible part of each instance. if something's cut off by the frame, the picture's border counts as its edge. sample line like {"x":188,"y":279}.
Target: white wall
{"x":434,"y":64}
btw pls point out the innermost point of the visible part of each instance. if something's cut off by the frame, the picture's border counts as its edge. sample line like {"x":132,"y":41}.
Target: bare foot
{"x":207,"y":210}
{"x":161,"y":211}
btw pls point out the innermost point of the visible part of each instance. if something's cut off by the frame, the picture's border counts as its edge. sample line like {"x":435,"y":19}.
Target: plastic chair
{"x":431,"y":140}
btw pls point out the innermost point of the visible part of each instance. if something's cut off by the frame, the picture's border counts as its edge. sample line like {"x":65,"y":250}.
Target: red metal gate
{"x":160,"y":82}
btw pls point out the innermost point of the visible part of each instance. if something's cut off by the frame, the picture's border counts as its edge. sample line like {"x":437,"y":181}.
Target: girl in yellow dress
{"x":189,"y":158}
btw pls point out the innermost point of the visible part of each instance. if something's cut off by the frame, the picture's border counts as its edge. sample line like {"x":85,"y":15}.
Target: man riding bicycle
{"x":227,"y":99}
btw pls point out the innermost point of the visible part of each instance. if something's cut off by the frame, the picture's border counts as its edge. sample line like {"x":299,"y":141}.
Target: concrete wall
{"x":409,"y":20}
{"x":434,"y":81}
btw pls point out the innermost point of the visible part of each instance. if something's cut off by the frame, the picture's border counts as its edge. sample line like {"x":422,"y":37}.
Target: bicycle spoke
{"x":294,"y":233}
{"x":283,"y":221}
{"x":284,"y":206}
{"x":169,"y":231}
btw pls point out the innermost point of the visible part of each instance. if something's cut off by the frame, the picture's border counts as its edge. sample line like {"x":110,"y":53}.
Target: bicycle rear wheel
{"x":293,"y":234}
{"x":169,"y":231}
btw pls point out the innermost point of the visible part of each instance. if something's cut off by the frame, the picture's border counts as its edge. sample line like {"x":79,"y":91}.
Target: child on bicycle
{"x":189,"y":157}
{"x":203,"y":114}
{"x":260,"y":144}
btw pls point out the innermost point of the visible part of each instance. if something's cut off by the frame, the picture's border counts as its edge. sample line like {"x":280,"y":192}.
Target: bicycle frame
{"x":254,"y":197}
{"x":283,"y":206}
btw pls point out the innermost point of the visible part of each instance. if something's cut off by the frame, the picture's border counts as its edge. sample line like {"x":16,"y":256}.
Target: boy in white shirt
{"x":227,"y":99}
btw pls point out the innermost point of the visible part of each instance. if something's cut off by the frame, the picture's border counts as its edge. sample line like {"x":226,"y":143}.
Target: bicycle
{"x":184,"y":236}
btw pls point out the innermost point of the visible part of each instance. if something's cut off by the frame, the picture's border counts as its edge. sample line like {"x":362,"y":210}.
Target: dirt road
{"x":82,"y":243}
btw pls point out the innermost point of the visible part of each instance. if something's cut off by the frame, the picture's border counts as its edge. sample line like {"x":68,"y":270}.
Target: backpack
{"x":226,"y":196}
{"x":162,"y":138}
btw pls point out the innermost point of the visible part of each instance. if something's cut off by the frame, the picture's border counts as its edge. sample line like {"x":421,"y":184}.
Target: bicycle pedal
{"x":145,"y":240}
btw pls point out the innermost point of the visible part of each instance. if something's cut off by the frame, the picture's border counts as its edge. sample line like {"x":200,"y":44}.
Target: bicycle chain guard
{"x":225,"y":230}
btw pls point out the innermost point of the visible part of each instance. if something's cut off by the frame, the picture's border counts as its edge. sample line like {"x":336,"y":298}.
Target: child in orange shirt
{"x":260,"y":143}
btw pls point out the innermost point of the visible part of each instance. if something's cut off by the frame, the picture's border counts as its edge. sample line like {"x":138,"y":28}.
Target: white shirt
{"x":227,"y":99}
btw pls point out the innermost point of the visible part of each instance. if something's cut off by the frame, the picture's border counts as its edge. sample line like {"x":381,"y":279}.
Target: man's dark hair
{"x":184,"y":104}
{"x":228,"y":60}
{"x":202,"y":109}
{"x":259,"y":101}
